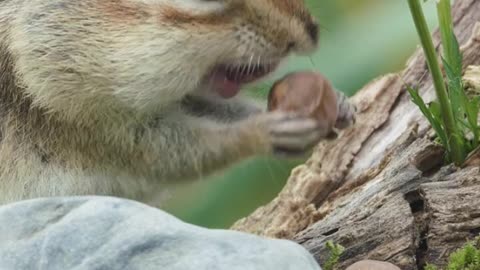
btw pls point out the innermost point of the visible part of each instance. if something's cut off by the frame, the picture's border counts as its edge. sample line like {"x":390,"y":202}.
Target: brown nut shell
{"x":306,"y":93}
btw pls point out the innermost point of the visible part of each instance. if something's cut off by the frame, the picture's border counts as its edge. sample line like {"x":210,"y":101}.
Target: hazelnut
{"x":308,"y":94}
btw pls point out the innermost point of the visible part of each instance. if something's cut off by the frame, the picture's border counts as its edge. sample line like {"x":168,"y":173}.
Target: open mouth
{"x":227,"y":80}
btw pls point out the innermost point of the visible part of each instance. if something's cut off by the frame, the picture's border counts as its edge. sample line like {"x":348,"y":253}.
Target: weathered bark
{"x":381,"y":189}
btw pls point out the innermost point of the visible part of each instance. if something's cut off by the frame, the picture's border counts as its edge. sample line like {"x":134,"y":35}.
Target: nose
{"x":312,"y":31}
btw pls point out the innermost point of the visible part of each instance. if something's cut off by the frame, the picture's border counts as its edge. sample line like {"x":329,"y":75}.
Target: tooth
{"x":242,"y":72}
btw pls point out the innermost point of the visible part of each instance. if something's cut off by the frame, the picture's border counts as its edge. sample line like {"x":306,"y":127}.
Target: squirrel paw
{"x":346,"y":112}
{"x":290,"y":134}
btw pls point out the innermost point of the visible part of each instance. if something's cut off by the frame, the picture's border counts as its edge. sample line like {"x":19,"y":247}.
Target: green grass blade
{"x":457,"y":150}
{"x":462,"y":106}
{"x":433,"y":116}
{"x":451,"y":49}
{"x":458,"y":99}
{"x":436,"y":122}
{"x":472,"y":110}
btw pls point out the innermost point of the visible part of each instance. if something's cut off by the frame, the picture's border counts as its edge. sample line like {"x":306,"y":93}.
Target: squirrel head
{"x":75,"y":56}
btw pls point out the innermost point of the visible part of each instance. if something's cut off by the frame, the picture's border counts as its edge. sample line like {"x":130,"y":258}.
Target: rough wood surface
{"x":380,"y":189}
{"x":453,"y":212}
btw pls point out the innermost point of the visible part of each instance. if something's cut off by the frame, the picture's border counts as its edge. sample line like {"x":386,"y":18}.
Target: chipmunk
{"x":122,"y":97}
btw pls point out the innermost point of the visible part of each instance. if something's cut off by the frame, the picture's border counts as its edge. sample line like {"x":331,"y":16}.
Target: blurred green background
{"x":359,"y":41}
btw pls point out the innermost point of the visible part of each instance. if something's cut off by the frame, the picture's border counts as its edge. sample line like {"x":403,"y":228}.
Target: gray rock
{"x":109,"y":233}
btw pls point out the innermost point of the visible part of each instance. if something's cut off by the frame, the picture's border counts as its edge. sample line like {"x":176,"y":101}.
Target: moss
{"x":465,"y":258}
{"x":335,"y":251}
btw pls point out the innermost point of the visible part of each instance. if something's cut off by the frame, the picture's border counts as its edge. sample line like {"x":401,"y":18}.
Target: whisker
{"x":311,"y":61}
{"x":250,"y":65}
{"x":258,"y":61}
